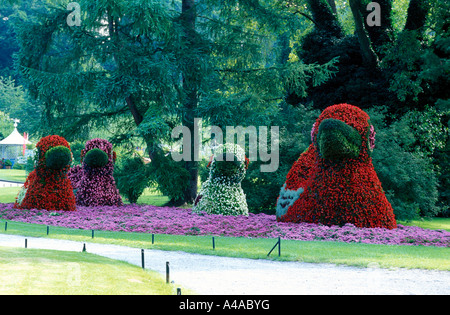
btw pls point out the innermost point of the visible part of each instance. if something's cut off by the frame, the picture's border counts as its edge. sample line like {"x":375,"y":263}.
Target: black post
{"x":142,"y":259}
{"x":214,"y":243}
{"x":26,"y":245}
{"x":6,"y":226}
{"x":278,"y":243}
{"x":279,"y":246}
{"x":153,"y":238}
{"x":167,"y":272}
{"x":48,"y":229}
{"x":92,"y":233}
{"x":84,"y":247}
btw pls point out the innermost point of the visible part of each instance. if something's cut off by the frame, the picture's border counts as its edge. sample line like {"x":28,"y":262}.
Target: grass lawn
{"x":432,"y":223}
{"x":149,"y":197}
{"x":13,"y":175}
{"x":8,"y":194}
{"x":30,"y":271}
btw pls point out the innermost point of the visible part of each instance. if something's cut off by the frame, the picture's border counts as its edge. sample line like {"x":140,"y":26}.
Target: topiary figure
{"x":222,"y":192}
{"x":47,"y":186}
{"x":334,"y":182}
{"x":94,"y":181}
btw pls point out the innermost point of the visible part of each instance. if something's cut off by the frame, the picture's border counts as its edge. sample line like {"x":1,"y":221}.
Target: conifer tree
{"x":140,"y":68}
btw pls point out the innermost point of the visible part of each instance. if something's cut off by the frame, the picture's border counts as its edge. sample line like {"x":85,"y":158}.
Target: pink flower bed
{"x":165,"y":220}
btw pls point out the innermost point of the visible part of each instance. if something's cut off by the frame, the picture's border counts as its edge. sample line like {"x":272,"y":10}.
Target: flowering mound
{"x":222,"y":192}
{"x":334,"y":181}
{"x":175,"y":221}
{"x":94,"y":181}
{"x":48,"y":187}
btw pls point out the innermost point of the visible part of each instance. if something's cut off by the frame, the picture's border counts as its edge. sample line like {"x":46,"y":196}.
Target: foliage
{"x":408,"y":177}
{"x":58,"y":157}
{"x":96,"y":158}
{"x":262,"y":189}
{"x":343,"y":190}
{"x":222,"y":192}
{"x":47,"y":188}
{"x":332,"y":132}
{"x":77,"y":147}
{"x":6,"y":125}
{"x":131,"y":177}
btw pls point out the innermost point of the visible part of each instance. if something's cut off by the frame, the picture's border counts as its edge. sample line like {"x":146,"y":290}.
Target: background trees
{"x":133,"y":70}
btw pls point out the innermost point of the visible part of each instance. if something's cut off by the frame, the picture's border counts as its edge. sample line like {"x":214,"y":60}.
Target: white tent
{"x":11,"y":147}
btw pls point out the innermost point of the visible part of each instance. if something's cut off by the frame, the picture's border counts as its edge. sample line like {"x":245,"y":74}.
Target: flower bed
{"x":165,"y":220}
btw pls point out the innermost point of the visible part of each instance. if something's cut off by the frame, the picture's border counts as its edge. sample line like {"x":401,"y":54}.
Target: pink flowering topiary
{"x":96,"y":185}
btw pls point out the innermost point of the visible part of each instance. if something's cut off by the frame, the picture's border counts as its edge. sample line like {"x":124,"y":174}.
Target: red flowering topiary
{"x":334,"y":181}
{"x":47,"y":187}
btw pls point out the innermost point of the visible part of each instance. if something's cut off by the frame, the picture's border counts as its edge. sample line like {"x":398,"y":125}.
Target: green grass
{"x":13,"y":175}
{"x":430,"y":223}
{"x":153,"y":197}
{"x":354,"y":254}
{"x":31,"y":271}
{"x":8,"y":194}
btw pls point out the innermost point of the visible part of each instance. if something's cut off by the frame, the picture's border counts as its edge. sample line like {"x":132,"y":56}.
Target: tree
{"x":142,"y":67}
{"x":376,"y":65}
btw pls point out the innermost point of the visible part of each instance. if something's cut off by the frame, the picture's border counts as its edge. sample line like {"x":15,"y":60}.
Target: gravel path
{"x":211,"y":275}
{"x":9,"y":184}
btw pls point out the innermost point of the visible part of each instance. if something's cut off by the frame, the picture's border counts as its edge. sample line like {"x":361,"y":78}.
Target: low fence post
{"x":167,"y":272}
{"x":278,"y":243}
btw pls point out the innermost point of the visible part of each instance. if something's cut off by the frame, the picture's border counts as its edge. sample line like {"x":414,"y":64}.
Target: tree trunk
{"x":324,"y":17}
{"x":368,"y":54}
{"x":190,"y":90}
{"x":417,"y":16}
{"x":383,"y":34}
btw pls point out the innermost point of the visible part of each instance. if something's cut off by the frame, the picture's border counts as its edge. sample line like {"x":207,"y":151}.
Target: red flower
{"x":48,"y":189}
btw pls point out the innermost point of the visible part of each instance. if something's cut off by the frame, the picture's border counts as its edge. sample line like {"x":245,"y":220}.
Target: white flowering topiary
{"x":222,"y":192}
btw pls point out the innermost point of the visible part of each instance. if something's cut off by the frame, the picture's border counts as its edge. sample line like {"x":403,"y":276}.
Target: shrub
{"x":407,"y":175}
{"x":96,"y":158}
{"x":262,"y":189}
{"x":58,"y":157}
{"x":29,"y":167}
{"x":132,"y":178}
{"x":18,"y":166}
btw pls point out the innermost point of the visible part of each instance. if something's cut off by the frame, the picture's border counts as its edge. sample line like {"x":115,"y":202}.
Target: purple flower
{"x":167,"y":220}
